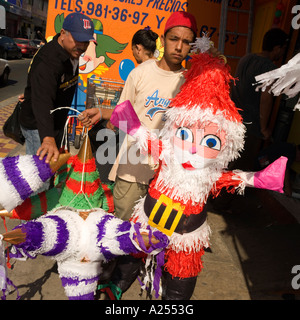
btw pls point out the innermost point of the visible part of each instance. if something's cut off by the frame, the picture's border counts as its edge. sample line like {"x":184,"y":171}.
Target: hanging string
{"x":82,"y":179}
{"x":72,"y":109}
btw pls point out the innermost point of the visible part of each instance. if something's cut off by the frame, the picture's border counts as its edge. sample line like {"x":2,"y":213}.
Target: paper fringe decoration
{"x":72,"y":188}
{"x":37,"y":205}
{"x":5,"y":282}
{"x":80,"y":245}
{"x":21,"y":176}
{"x":83,"y":188}
{"x":284,"y":80}
{"x":207,"y":87}
{"x":201,"y":44}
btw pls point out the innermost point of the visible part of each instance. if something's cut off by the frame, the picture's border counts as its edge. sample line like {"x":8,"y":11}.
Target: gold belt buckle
{"x":170,"y":205}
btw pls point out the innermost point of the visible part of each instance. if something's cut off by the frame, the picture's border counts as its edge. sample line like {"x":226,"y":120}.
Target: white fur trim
{"x":283,"y":80}
{"x":191,"y":242}
{"x":246,"y":178}
{"x":141,"y":137}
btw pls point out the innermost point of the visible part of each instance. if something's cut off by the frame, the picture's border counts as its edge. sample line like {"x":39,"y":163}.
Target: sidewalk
{"x":6,"y":144}
{"x":253,"y":250}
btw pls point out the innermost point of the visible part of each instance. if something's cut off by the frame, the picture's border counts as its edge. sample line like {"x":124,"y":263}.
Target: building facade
{"x":24,"y":17}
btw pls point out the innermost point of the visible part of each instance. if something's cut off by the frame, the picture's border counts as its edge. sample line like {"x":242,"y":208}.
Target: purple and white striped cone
{"x":79,"y":279}
{"x":79,"y":246}
{"x":21,"y":176}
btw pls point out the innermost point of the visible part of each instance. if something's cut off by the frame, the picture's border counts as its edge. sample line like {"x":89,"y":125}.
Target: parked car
{"x":9,"y":49}
{"x":37,"y":42}
{"x":4,"y":71}
{"x":27,"y":46}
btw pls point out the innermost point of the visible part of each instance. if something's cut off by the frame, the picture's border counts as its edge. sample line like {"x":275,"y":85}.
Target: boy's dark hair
{"x":145,"y":37}
{"x":274,"y":37}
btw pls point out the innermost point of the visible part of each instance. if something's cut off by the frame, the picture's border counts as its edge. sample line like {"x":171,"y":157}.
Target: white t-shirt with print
{"x":149,"y":89}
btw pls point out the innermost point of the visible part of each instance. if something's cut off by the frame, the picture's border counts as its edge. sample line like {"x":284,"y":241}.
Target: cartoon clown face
{"x":88,"y":61}
{"x":198,"y":145}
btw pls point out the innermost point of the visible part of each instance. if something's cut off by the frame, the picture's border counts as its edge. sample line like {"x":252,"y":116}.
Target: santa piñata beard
{"x":183,"y":184}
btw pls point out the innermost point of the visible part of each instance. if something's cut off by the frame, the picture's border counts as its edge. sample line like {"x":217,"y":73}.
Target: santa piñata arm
{"x":270,"y":178}
{"x":228,"y":182}
{"x":125,"y":118}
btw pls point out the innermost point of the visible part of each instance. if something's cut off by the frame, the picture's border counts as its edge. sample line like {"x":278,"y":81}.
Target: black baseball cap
{"x":80,"y":26}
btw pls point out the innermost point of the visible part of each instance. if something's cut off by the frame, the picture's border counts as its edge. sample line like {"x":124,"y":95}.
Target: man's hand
{"x":21,"y":97}
{"x":48,"y":148}
{"x":110,"y":126}
{"x":89,"y":117}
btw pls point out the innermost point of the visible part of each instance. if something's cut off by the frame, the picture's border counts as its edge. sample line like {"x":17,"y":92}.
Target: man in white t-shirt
{"x":149,"y":87}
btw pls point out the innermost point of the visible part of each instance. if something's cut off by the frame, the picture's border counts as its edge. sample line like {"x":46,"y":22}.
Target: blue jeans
{"x":32,"y":140}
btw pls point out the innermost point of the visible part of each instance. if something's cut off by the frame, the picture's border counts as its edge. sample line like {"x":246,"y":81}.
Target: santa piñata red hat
{"x":207,"y":85}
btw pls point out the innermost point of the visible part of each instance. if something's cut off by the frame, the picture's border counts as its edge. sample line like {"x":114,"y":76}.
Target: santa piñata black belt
{"x":168,"y":216}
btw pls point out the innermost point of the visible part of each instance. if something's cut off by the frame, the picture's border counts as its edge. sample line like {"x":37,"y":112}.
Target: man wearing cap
{"x":149,"y":87}
{"x":51,"y":84}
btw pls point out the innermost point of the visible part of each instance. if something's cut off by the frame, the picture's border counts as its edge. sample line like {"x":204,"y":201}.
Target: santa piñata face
{"x":197,"y":146}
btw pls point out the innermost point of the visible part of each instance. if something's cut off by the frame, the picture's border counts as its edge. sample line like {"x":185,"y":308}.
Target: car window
{"x":4,"y":40}
{"x":21,"y":41}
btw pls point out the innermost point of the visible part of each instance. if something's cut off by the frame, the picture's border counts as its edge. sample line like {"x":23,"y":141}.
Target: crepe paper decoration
{"x":21,"y":176}
{"x":81,"y":245}
{"x":114,"y":292}
{"x":284,"y":80}
{"x":77,"y":234}
{"x":5,"y":282}
{"x":77,"y":185}
{"x":83,"y":188}
{"x":36,"y":205}
{"x":270,"y":178}
{"x":127,"y":118}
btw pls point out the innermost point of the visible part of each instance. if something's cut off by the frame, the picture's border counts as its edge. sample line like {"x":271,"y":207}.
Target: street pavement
{"x":254,"y":247}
